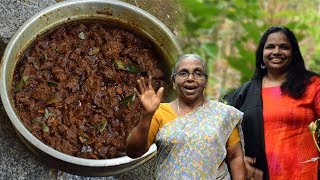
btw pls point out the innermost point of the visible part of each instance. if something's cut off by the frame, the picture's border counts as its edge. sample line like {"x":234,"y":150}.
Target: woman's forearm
{"x":235,"y":159}
{"x":238,"y":168}
{"x":137,"y":141}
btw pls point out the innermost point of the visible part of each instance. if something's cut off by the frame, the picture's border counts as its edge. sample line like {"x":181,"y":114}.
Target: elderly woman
{"x":196,"y":138}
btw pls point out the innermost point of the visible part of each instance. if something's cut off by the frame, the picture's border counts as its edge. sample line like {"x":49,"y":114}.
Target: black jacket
{"x":247,"y":98}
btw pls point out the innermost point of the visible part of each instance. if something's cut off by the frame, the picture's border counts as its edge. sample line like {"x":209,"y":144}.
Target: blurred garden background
{"x":226,"y":34}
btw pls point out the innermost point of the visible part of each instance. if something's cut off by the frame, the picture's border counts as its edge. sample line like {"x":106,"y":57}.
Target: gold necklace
{"x":179,"y":106}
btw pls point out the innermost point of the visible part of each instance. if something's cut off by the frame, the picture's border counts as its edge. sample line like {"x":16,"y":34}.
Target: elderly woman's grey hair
{"x":184,"y":56}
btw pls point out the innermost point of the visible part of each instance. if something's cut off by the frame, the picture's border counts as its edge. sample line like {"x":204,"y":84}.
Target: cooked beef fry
{"x":74,"y":88}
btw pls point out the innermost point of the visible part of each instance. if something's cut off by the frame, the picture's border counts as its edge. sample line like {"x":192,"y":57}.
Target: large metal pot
{"x":47,"y":20}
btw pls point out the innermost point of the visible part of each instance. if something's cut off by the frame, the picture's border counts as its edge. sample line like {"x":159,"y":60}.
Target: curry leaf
{"x":127,"y":100}
{"x":83,"y":138}
{"x":45,"y":57}
{"x":133,"y":68}
{"x":45,"y":128}
{"x":47,"y":113}
{"x":52,"y":84}
{"x":38,"y":119}
{"x":94,"y":51}
{"x":119,"y":64}
{"x":102,"y":125}
{"x":23,"y":81}
{"x":54,"y":100}
{"x":36,"y":64}
{"x":82,"y":36}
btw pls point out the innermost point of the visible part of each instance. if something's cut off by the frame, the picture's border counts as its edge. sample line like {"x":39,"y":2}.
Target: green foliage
{"x":211,"y":26}
{"x":199,"y":16}
{"x":244,"y":62}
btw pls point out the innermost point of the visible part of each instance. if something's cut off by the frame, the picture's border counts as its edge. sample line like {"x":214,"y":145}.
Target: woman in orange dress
{"x":279,"y":103}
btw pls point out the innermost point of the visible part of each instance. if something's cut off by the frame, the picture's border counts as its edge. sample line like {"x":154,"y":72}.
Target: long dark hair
{"x":298,"y":77}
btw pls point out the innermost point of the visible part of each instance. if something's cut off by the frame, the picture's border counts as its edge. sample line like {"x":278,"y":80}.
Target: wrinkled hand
{"x":150,"y":100}
{"x":253,"y":173}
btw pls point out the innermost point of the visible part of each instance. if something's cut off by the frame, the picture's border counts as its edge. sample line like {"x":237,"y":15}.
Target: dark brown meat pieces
{"x":74,"y":88}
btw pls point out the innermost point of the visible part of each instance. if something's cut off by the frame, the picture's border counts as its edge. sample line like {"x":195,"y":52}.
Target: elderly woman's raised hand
{"x":150,"y":100}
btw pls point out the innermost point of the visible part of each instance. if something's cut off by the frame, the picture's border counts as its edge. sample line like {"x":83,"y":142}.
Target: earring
{"x":174,"y":87}
{"x":262,"y":66}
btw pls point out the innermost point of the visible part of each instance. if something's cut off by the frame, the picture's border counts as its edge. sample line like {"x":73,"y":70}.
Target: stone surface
{"x":16,"y":161}
{"x":15,"y":13}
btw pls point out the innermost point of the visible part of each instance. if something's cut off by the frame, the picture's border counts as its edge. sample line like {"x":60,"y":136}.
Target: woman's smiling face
{"x":277,"y":52}
{"x":190,"y":79}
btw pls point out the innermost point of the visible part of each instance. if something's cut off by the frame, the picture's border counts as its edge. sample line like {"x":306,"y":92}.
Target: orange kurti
{"x":288,"y":140}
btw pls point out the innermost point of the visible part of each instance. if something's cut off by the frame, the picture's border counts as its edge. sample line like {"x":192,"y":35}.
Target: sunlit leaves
{"x":230,"y":30}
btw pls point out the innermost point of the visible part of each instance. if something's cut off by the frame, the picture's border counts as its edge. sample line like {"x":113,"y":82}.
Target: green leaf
{"x":23,"y":81}
{"x":211,"y":48}
{"x":82,"y":36}
{"x":45,"y":57}
{"x":47,"y":113}
{"x":102,"y":125}
{"x":133,"y":68}
{"x":37,"y":120}
{"x":54,"y":100}
{"x":127,"y":101}
{"x":36,"y":64}
{"x":45,"y":128}
{"x":52,"y":84}
{"x":119,"y":64}
{"x":83,"y":138}
{"x":94,"y":51}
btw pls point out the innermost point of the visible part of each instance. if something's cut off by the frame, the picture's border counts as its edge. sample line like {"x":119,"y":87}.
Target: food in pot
{"x":74,"y":87}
